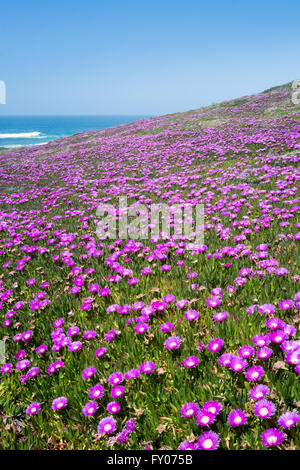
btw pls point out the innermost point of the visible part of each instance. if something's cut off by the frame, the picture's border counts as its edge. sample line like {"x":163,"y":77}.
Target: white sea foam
{"x":20,"y":135}
{"x":22,"y":145}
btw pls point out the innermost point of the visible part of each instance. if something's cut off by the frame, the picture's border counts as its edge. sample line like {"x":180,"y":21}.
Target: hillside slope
{"x":186,"y":342}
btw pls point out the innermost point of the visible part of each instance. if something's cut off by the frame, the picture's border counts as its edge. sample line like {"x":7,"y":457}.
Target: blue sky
{"x":140,"y":57}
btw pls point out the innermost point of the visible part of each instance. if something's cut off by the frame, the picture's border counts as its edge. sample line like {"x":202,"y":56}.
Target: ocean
{"x":19,"y":131}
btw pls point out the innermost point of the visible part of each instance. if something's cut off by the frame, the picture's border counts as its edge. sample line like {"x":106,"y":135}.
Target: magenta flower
{"x":41,"y":349}
{"x":225,"y":359}
{"x":90,"y":408}
{"x":74,"y":330}
{"x":115,"y":378}
{"x":104,"y":292}
{"x":6,"y":368}
{"x":236,"y":418}
{"x":258,"y":392}
{"x":24,"y":364}
{"x":96,"y":392}
{"x":33,"y":372}
{"x":122,"y":436}
{"x":286,"y":304}
{"x":185,"y":445}
{"x":110,"y":335}
{"x":288,"y":419}
{"x":220,"y":316}
{"x":293,"y":357}
{"x":88,"y":372}
{"x":264,"y":409}
{"x":205,"y":418}
{"x":112,"y":308}
{"x":138,"y":305}
{"x":132,"y":374}
{"x":75,"y":346}
{"x":59,"y":403}
{"x":173,"y":342}
{"x":215,"y":345}
{"x":33,"y":409}
{"x":141,"y":328}
{"x":182,"y":303}
{"x":159,"y":306}
{"x":189,"y":409}
{"x":281,"y":271}
{"x":277,"y":336}
{"x":147,"y":367}
{"x":290,"y":330}
{"x":266,"y":309}
{"x":209,"y":440}
{"x":100,"y":352}
{"x":146,"y":271}
{"x":274,"y":323}
{"x":107,"y":425}
{"x":272,"y":437}
{"x":213,"y":302}
{"x":213,"y":407}
{"x":246,"y":351}
{"x":166,"y":327}
{"x":237,"y":364}
{"x":261,"y":340}
{"x":191,"y":315}
{"x":191,"y":361}
{"x":169,"y":298}
{"x":130,"y":425}
{"x":254,"y":373}
{"x":117,"y":391}
{"x":264,"y":353}
{"x":55,"y":366}
{"x":113,"y":407}
{"x":124,"y":309}
{"x":26,"y":335}
{"x":89,"y":334}
{"x":57,"y":323}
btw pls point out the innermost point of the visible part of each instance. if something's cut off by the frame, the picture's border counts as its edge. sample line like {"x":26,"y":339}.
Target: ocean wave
{"x":15,"y":146}
{"x":11,"y":146}
{"x":20,"y":135}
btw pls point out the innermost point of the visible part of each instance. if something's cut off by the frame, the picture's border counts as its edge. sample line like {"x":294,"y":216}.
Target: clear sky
{"x":143,"y":57}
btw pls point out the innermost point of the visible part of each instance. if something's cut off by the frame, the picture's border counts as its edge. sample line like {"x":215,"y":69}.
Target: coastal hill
{"x":137,"y":341}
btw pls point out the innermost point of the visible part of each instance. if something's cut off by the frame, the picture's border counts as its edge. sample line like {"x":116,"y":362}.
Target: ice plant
{"x":142,"y":316}
{"x":89,"y":408}
{"x":264,"y":408}
{"x":96,"y":392}
{"x":191,"y":361}
{"x":88,"y":372}
{"x":215,"y":345}
{"x":205,"y":418}
{"x":236,"y":418}
{"x":272,"y":437}
{"x":189,"y":409}
{"x":113,"y":407}
{"x":213,"y":407}
{"x":259,"y":391}
{"x":172,"y":343}
{"x":254,"y":373}
{"x":33,"y":409}
{"x":147,"y":367}
{"x":107,"y":425}
{"x":288,"y":419}
{"x":59,"y":403}
{"x":209,"y":440}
